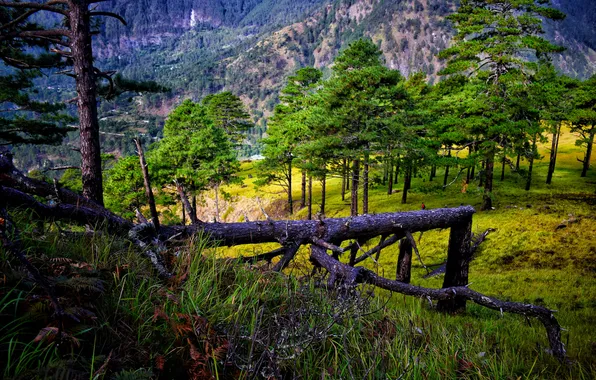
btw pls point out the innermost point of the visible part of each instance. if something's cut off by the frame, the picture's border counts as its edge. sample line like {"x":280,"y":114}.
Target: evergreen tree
{"x":493,"y":44}
{"x":25,"y":120}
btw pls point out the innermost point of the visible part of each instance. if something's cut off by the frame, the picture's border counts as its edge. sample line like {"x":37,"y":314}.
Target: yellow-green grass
{"x":526,"y":259}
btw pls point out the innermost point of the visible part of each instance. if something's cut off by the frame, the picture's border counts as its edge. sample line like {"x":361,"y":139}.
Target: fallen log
{"x":322,"y":236}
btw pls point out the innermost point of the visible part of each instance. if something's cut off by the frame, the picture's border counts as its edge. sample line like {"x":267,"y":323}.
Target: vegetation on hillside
{"x":88,"y":291}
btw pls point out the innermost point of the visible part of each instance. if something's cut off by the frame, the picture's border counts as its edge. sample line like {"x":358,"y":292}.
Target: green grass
{"x":526,"y":259}
{"x":221,"y":319}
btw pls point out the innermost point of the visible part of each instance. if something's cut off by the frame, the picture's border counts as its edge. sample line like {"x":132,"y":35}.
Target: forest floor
{"x":221,"y":319}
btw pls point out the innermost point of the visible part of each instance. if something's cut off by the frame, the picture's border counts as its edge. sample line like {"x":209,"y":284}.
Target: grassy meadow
{"x":218,"y":319}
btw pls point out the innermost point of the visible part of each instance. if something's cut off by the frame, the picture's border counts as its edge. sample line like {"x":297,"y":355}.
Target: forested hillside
{"x":250,"y":47}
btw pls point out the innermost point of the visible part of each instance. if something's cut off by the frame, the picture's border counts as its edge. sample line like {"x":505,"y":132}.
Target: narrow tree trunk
{"x":588,"y":155}
{"x":303,"y":190}
{"x":309,"y":197}
{"x":517,"y":162}
{"x":323,"y":193}
{"x":189,"y":210}
{"x":396,"y":175}
{"x":504,"y":161}
{"x":487,"y":201}
{"x":407,"y":182}
{"x":355,"y":180}
{"x":289,"y":177}
{"x":446,"y":178}
{"x":390,"y":179}
{"x":183,"y":214}
{"x":147,"y":181}
{"x":365,"y":184}
{"x":194,"y":204}
{"x":553,"y":154}
{"x":386,"y":170}
{"x":217,"y":203}
{"x":82,"y":57}
{"x":530,"y":169}
{"x":482,"y":174}
{"x":344,"y":175}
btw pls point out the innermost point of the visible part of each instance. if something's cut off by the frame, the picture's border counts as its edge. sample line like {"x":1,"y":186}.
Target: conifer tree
{"x":493,"y":44}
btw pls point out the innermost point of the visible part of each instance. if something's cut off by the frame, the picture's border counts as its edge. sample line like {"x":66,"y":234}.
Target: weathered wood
{"x":458,"y":260}
{"x":404,"y":261}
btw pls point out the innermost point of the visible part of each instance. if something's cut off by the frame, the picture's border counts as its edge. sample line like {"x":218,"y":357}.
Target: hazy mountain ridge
{"x":204,"y":46}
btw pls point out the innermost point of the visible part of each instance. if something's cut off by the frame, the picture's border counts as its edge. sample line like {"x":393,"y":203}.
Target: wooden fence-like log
{"x":458,"y":261}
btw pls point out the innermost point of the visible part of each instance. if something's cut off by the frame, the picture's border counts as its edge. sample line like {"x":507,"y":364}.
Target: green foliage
{"x":124,"y":190}
{"x":26,"y":120}
{"x":195,"y":150}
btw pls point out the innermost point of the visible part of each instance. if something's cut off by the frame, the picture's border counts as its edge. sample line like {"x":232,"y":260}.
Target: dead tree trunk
{"x":458,"y":260}
{"x":147,"y":181}
{"x":404,"y":261}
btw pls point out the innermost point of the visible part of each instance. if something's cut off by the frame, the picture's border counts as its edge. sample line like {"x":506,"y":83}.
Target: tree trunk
{"x":390,"y":179}
{"x":303,"y":190}
{"x":82,"y":57}
{"x":407,"y":182}
{"x":588,"y":155}
{"x":147,"y":181}
{"x":309,"y":217}
{"x":323,"y":193}
{"x":482,"y":174}
{"x":458,"y":261}
{"x":503,"y":162}
{"x":355,"y":180}
{"x":183,"y":213}
{"x":344,"y":175}
{"x":186,"y":204}
{"x":396,"y":175}
{"x":530,"y":169}
{"x":553,"y":154}
{"x":365,"y":184}
{"x":217,"y":202}
{"x":404,"y":261}
{"x":289,"y":177}
{"x":446,"y":177}
{"x":517,"y":162}
{"x":386,"y":170}
{"x":194,"y":204}
{"x":487,"y":201}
